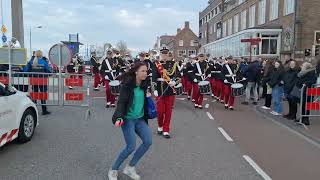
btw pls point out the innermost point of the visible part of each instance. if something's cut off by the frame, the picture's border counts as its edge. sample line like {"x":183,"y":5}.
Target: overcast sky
{"x":99,"y":21}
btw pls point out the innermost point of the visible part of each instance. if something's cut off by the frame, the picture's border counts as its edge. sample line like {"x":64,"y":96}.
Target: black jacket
{"x":289,"y":79}
{"x":276,"y":78}
{"x":114,"y":66}
{"x":227,"y":74}
{"x":95,"y":64}
{"x":308,"y":78}
{"x":252,"y":72}
{"x":204,"y":67}
{"x":162,"y":87}
{"x":126,"y":99}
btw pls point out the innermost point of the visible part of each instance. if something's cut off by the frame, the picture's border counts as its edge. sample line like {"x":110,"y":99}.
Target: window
{"x":230,"y":26}
{"x":181,"y":53}
{"x":252,"y":16}
{"x":288,"y":6}
{"x":219,"y":33}
{"x":193,"y":43}
{"x":224,"y":29}
{"x":262,"y":11}
{"x":243,"y":20}
{"x":180,"y":42}
{"x":191,"y":52}
{"x":236,"y":23}
{"x":274,"y":9}
{"x":269,"y":44}
{"x":317,"y":38}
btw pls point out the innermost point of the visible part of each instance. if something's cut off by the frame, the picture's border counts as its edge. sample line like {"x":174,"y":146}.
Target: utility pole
{"x":17,"y":21}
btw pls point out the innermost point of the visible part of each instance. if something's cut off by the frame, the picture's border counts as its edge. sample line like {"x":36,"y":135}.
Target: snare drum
{"x":204,"y":87}
{"x":178,"y":89}
{"x":115,"y":87}
{"x":237,"y":90}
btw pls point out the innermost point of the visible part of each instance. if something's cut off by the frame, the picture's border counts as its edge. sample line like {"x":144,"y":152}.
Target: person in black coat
{"x":95,"y":63}
{"x":306,"y":78}
{"x":268,"y":69}
{"x":277,"y":88}
{"x":289,"y":80}
{"x":252,"y":74}
{"x":131,"y":115}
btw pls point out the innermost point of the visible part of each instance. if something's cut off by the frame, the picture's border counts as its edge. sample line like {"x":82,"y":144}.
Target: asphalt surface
{"x":67,"y":145}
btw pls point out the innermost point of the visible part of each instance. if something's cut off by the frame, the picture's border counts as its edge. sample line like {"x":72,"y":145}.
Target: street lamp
{"x":37,"y":27}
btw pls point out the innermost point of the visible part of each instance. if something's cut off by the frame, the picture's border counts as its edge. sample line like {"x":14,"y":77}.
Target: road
{"x":208,"y":144}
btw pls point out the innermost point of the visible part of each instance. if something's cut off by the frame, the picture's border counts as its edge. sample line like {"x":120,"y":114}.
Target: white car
{"x":18,"y":116}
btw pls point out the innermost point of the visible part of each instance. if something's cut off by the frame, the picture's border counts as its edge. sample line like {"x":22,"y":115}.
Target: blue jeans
{"x":277,"y":94}
{"x":129,"y":129}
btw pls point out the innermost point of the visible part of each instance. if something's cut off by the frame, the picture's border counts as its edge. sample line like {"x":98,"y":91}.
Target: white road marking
{"x":207,"y":106}
{"x":225,"y":134}
{"x":205,"y":99}
{"x":210,"y":116}
{"x":257,"y":168}
{"x":182,"y":99}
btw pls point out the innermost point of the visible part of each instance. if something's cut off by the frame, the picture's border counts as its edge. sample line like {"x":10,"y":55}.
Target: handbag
{"x":151,"y":107}
{"x":296,"y":92}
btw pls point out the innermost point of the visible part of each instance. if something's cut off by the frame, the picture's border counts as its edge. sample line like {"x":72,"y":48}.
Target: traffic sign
{"x":4,"y":38}
{"x":3,"y":29}
{"x":54,"y":56}
{"x":252,"y":40}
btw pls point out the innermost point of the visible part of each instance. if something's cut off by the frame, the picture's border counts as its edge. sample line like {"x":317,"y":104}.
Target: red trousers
{"x":219,"y":89}
{"x":228,"y":98}
{"x":188,"y":87}
{"x":97,"y":79}
{"x":109,"y":97}
{"x":213,"y":86}
{"x":198,"y":97}
{"x":164,"y":110}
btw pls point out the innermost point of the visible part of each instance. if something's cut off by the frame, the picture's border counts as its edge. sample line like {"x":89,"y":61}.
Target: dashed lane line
{"x":225,"y":134}
{"x":207,"y":106}
{"x":210,"y":116}
{"x":256,"y":167}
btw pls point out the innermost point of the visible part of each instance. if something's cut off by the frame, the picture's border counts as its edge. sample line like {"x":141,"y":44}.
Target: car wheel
{"x":27,"y":126}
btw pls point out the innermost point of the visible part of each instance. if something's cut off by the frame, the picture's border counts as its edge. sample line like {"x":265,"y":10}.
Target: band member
{"x":229,"y":71}
{"x":109,"y":71}
{"x":165,"y":75}
{"x":121,"y":62}
{"x":181,"y":66}
{"x":199,"y":74}
{"x":96,"y":65}
{"x":171,"y":56}
{"x":75,"y":67}
{"x":187,"y":72}
{"x":216,"y":79}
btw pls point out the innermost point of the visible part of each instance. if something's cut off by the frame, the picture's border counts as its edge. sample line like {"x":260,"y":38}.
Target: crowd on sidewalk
{"x":281,"y":82}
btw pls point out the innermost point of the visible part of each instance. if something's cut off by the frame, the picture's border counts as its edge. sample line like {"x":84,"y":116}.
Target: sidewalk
{"x":313,"y":131}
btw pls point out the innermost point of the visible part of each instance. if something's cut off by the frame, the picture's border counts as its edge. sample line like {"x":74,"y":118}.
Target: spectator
{"x":277,"y":88}
{"x":307,"y":76}
{"x":289,"y":80}
{"x":39,"y":64}
{"x":252,"y":74}
{"x":243,"y":65}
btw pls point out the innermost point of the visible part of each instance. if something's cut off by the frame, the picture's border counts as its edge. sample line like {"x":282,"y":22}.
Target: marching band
{"x":195,"y":77}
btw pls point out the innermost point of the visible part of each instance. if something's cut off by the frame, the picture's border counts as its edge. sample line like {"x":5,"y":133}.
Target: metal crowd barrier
{"x":310,"y":102}
{"x":51,"y":89}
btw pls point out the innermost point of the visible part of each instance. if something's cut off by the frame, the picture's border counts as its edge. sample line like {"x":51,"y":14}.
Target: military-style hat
{"x":164,"y":50}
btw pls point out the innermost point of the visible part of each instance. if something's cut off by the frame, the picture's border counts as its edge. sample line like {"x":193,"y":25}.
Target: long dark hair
{"x":129,"y":77}
{"x":281,"y":67}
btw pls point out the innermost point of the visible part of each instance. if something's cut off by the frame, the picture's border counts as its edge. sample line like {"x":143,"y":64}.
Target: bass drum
{"x":115,"y":87}
{"x":237,"y":90}
{"x":204,"y":87}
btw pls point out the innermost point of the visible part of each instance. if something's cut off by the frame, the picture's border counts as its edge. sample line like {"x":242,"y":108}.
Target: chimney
{"x":187,"y":25}
{"x":178,"y":30}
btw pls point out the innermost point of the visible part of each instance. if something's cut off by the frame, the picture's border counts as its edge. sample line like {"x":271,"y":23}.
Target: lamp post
{"x":37,"y":27}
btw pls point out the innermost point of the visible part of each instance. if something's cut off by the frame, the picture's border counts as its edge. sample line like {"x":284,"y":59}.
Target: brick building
{"x":285,"y":29}
{"x":184,"y":43}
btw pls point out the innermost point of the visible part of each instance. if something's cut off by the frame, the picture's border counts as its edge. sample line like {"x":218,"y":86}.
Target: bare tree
{"x":123,"y":48}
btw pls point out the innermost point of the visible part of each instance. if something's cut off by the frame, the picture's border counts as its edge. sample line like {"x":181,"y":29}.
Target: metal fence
{"x":310,"y":102}
{"x":50,"y":88}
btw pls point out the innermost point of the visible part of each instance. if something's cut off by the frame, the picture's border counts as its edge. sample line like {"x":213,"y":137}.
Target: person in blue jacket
{"x":40,"y":65}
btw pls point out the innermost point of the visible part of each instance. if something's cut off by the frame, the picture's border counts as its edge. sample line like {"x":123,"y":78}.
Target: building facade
{"x":185,"y":43}
{"x":286,"y":28}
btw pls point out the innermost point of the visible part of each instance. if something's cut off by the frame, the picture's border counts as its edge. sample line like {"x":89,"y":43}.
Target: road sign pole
{"x":60,"y":77}
{"x":10,"y":67}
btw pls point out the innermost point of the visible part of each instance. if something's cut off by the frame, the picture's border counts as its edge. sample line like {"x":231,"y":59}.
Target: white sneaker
{"x":131,"y":172}
{"x":277,"y":114}
{"x":265,"y":107}
{"x":70,"y":87}
{"x":113,"y":175}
